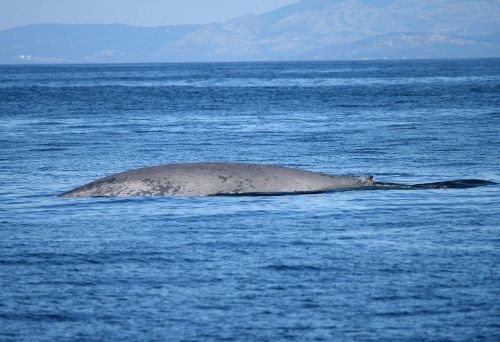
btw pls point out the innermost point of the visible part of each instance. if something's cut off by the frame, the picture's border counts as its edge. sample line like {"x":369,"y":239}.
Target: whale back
{"x":205,"y":179}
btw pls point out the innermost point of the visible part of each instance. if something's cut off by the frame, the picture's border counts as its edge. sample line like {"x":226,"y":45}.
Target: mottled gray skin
{"x":209,"y":179}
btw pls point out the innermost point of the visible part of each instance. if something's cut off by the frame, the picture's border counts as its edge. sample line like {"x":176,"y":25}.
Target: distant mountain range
{"x":306,"y":30}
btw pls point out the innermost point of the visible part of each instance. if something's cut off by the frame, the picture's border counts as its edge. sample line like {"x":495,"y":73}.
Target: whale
{"x":237,"y":179}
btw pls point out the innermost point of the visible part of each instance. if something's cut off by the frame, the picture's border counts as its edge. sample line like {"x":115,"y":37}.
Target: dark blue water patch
{"x":37,"y":317}
{"x":368,"y":265}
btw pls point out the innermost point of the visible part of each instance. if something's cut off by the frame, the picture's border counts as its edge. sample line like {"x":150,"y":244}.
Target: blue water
{"x":359,"y":265}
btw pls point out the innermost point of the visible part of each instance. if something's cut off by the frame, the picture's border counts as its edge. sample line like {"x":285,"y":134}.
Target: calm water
{"x":365,"y":265}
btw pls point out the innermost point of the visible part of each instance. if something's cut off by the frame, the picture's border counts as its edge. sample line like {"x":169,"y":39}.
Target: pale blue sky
{"x":135,"y":12}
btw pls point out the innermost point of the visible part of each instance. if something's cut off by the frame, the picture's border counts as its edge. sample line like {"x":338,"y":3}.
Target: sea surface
{"x":357,"y":265}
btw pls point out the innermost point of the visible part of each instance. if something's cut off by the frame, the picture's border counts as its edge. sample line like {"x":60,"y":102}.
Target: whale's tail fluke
{"x":453,"y":184}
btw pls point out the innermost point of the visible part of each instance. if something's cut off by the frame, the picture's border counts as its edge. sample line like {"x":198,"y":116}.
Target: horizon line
{"x":253,"y":61}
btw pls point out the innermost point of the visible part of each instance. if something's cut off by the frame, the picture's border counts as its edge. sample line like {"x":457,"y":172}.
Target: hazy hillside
{"x":45,"y":43}
{"x":310,"y":29}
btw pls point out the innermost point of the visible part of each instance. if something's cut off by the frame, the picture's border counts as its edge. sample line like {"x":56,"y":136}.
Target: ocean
{"x":356,"y":265}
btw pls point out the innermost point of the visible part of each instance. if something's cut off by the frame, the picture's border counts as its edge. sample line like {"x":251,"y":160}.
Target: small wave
{"x":284,"y":267}
{"x":231,"y":82}
{"x":40,"y":317}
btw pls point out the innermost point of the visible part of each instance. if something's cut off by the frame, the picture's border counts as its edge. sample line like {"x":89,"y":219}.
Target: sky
{"x":134,"y":12}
